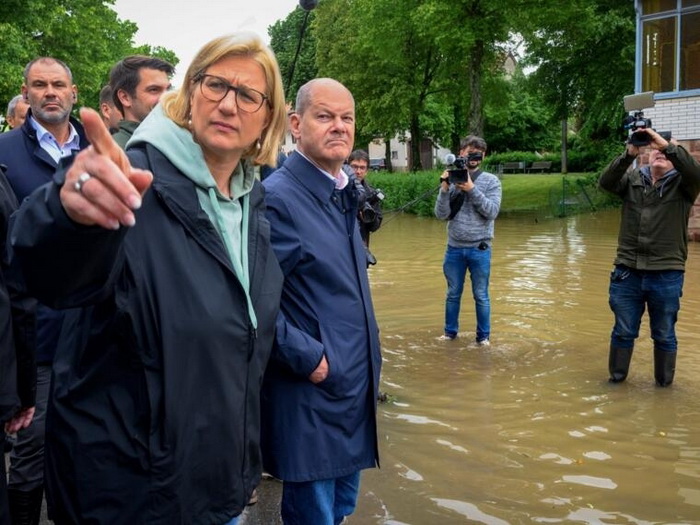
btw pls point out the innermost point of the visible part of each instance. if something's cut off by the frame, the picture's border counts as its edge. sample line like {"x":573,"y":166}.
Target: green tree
{"x":583,"y":52}
{"x":419,"y":65}
{"x":434,"y":68}
{"x":294,"y":45}
{"x":471,"y":33}
{"x":382,"y":52}
{"x":86,"y":34}
{"x":516,"y":117}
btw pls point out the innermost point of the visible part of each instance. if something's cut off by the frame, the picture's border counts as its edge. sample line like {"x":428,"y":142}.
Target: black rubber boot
{"x":619,"y":363}
{"x":664,"y":367}
{"x":25,"y":505}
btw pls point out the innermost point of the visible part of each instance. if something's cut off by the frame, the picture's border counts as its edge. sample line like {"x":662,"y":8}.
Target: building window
{"x":690,"y":51}
{"x":667,"y":27}
{"x":658,"y":60}
{"x":650,"y":7}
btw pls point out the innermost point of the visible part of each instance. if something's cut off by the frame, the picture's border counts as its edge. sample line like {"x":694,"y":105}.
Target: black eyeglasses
{"x":216,"y":88}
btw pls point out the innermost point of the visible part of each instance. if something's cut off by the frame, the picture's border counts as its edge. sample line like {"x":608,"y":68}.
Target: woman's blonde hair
{"x":177,"y":106}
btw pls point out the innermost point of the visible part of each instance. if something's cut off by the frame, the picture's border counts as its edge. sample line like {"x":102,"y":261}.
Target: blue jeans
{"x":478,"y":262}
{"x":234,"y":521}
{"x":323,"y":502}
{"x":631,"y":291}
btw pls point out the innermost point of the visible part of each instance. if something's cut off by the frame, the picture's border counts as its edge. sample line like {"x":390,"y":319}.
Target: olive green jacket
{"x":654,"y":223}
{"x":126,"y":130}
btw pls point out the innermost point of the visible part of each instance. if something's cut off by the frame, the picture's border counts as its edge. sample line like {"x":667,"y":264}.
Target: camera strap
{"x":456,"y":201}
{"x":457,"y":198}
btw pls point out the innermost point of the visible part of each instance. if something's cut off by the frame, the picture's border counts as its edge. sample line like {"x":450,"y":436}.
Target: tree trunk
{"x":476,"y":110}
{"x":387,"y":154}
{"x":564,"y":136}
{"x":416,"y":139}
{"x":455,"y":138}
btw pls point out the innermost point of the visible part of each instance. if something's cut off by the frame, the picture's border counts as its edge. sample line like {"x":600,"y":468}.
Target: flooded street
{"x":527,"y":430}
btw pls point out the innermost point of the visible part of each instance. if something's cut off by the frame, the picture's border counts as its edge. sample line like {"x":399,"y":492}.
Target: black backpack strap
{"x":457,"y":198}
{"x":456,"y":201}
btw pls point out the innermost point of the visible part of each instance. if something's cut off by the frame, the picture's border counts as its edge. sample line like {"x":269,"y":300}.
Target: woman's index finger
{"x":99,"y":137}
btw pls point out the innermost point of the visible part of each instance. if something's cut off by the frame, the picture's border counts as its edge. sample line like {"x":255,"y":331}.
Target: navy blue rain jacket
{"x":28,"y":167}
{"x":312,"y":432}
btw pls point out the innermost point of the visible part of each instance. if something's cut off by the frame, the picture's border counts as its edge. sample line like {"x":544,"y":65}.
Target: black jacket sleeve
{"x":64,"y":264}
{"x":18,"y":346}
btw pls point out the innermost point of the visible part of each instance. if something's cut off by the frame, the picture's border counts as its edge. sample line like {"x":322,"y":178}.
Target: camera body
{"x":367,"y":209}
{"x":457,"y":166}
{"x":636,"y":122}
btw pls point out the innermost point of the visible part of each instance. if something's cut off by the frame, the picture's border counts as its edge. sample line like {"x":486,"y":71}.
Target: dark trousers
{"x":27,"y":456}
{"x":4,"y":504}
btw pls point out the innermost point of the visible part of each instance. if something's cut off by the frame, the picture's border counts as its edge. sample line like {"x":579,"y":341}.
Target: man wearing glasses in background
{"x":369,"y":213}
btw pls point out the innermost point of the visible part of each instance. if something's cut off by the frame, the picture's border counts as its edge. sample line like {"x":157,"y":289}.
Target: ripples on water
{"x":528,"y":430}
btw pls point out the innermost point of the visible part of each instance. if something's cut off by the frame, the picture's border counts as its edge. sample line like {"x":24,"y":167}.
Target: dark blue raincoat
{"x":312,"y":432}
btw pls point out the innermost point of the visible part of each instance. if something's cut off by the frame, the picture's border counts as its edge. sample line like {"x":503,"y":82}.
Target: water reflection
{"x":528,"y":430}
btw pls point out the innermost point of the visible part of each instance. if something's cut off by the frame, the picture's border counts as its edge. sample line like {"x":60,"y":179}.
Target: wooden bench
{"x":513,"y":167}
{"x":540,"y":166}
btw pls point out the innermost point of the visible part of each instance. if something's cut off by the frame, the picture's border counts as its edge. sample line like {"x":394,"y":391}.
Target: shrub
{"x":410,"y":192}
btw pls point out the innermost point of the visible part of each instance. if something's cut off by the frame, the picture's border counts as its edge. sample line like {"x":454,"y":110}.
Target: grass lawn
{"x":521,"y":192}
{"x":532,"y":191}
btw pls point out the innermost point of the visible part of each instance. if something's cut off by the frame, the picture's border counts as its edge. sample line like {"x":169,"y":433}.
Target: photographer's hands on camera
{"x":656,"y":141}
{"x":468,"y":185}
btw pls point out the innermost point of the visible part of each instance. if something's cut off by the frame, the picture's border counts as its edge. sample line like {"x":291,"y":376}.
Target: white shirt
{"x":340,"y":181}
{"x":50,"y":145}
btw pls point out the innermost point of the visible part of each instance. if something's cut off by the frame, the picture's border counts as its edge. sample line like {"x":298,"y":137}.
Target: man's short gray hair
{"x":48,"y":60}
{"x":12,"y":105}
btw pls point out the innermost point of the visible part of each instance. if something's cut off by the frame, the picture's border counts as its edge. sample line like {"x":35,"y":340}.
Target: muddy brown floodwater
{"x":527,"y":430}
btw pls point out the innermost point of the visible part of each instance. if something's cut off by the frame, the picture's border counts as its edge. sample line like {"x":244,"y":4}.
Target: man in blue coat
{"x":319,"y":394}
{"x":31,"y":154}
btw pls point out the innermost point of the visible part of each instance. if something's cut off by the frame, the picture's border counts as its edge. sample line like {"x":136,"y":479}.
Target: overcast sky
{"x":186,"y":25}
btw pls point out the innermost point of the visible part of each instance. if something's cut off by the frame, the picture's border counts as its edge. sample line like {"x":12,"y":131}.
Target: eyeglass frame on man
{"x":230,"y":87}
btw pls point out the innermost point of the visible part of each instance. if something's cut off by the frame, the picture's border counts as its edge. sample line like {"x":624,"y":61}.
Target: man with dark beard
{"x":32,"y":153}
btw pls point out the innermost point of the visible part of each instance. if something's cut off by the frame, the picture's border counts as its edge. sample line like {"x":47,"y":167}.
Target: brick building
{"x":668,"y":63}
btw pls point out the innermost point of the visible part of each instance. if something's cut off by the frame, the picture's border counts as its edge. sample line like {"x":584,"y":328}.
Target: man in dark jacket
{"x":369,"y":214}
{"x":32,"y":153}
{"x":320,"y":389}
{"x":17,"y":333}
{"x":652,"y":250}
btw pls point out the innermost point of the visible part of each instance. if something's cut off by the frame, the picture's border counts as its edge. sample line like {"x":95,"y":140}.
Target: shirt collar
{"x":340,"y":181}
{"x":73,"y":141}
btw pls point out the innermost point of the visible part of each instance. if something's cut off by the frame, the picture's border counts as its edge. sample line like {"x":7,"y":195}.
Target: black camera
{"x":367,"y":209}
{"x":460,"y":163}
{"x":457,"y":166}
{"x":636,"y":122}
{"x":457,"y":176}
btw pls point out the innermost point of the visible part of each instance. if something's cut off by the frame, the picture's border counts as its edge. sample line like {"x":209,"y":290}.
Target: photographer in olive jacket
{"x":470,"y":204}
{"x":652,"y":249}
